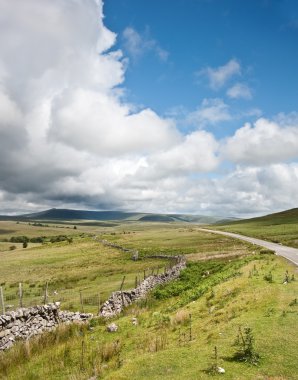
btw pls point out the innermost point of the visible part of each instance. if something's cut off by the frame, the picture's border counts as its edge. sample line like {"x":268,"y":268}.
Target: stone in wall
{"x":120,"y":299}
{"x":27,"y":322}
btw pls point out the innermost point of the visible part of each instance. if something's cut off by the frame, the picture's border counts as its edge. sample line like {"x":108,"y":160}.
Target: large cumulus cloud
{"x":67,"y":135}
{"x":69,"y":138}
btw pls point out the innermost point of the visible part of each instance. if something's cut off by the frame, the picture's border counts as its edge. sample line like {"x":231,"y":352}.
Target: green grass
{"x":159,"y":347}
{"x":278,"y":228}
{"x":221,"y":294}
{"x":84,"y":265}
{"x":173,"y":240}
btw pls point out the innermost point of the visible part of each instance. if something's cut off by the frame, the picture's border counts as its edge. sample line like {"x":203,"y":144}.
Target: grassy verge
{"x":278,"y":228}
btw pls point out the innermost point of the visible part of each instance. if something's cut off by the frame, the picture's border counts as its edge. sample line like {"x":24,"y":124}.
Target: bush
{"x":39,"y":239}
{"x":246,"y":350}
{"x":59,"y":238}
{"x":268,"y":277}
{"x":19,"y":239}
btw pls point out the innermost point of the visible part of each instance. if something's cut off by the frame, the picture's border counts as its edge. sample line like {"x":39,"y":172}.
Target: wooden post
{"x":2,"y":300}
{"x":216,"y":356}
{"x":82,"y":355}
{"x":144,"y":274}
{"x":136,"y":282}
{"x":122,"y":283}
{"x":81,"y":301}
{"x":121,"y":287}
{"x":21,"y":294}
{"x":190,"y":328}
{"x":46,"y":293}
{"x":98,"y":304}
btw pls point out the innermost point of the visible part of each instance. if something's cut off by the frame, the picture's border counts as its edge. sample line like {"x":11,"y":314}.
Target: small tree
{"x":25,"y":244}
{"x":246,"y":350}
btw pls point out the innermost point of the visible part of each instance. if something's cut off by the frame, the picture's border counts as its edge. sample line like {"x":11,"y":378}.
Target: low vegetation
{"x":279,"y":228}
{"x":234,"y":308}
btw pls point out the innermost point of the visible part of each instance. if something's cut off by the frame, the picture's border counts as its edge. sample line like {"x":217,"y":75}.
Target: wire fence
{"x":27,"y":295}
{"x":78,"y":297}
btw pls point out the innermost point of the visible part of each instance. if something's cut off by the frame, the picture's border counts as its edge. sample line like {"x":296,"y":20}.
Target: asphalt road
{"x":281,"y":250}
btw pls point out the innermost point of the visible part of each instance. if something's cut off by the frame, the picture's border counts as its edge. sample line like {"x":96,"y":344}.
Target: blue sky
{"x":183,"y":106}
{"x":261,"y":35}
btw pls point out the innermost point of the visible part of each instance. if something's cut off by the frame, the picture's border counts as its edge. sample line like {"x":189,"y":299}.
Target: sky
{"x":185,"y":106}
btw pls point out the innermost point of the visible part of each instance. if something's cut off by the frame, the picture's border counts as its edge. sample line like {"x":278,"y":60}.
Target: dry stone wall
{"x":120,"y":299}
{"x":27,"y":322}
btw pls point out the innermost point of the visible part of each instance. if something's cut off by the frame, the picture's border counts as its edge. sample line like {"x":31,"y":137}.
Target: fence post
{"x":122,"y":283}
{"x":81,"y":301}
{"x":46,"y":293}
{"x":2,"y":300}
{"x":98,"y":304}
{"x":136,"y":282}
{"x":21,"y":294}
{"x":82,"y":355}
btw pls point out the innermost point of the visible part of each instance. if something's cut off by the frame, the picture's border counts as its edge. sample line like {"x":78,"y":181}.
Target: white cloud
{"x":68,"y":138}
{"x":263,"y":143}
{"x":211,"y":111}
{"x":238,"y":91}
{"x":219,"y":76}
{"x":98,"y":123}
{"x":137,"y":44}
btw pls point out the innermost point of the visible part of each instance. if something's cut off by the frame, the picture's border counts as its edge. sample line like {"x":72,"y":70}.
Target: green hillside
{"x":281,"y":227}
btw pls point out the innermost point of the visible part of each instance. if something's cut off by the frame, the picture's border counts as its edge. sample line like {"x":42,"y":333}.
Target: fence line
{"x":90,"y":300}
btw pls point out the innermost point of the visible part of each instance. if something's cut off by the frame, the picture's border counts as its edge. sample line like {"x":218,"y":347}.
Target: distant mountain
{"x":157,"y":218}
{"x":55,"y":214}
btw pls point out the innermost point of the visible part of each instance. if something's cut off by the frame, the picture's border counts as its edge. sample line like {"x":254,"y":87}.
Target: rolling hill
{"x":56,"y":214}
{"x":280,"y":227}
{"x":283,"y":217}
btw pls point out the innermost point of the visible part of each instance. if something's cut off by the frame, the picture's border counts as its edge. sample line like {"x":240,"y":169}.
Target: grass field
{"x":160,"y":346}
{"x":236,"y":287}
{"x":278,"y":228}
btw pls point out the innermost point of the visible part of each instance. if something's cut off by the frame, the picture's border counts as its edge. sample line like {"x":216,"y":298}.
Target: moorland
{"x":232,"y":298}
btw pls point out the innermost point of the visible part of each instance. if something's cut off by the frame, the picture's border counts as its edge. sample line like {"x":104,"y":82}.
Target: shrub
{"x":38,"y":239}
{"x":110,"y":350}
{"x":268,"y":277}
{"x":246,"y":350}
{"x":181,"y":318}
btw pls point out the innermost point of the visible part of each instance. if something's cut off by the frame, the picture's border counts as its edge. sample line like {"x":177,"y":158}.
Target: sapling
{"x":246,"y":350}
{"x":214,"y":368}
